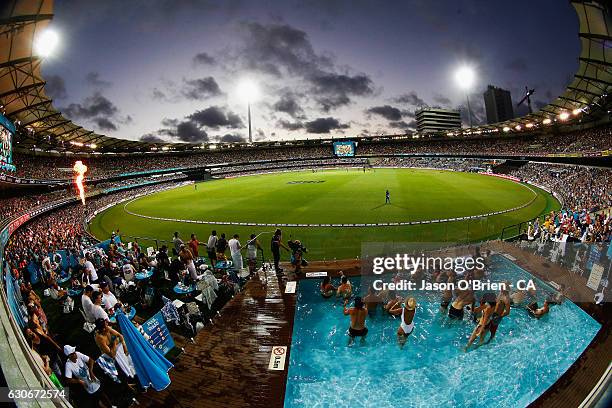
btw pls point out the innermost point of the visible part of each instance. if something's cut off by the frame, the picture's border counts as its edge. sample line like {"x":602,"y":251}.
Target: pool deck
{"x":227,"y":366}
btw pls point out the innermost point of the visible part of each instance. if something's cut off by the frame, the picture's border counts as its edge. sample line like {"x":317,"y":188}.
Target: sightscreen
{"x":344,"y":149}
{"x":7,"y":130}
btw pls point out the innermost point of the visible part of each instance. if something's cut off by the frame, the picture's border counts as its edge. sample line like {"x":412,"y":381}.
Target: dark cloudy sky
{"x":169,"y":69}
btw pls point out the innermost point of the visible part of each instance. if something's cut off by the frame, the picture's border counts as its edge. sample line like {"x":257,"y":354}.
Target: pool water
{"x":526,"y":357}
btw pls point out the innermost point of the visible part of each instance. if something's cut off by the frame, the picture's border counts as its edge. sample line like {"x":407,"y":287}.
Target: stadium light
{"x":547,"y":121}
{"x":518,"y":127}
{"x":529,"y":125}
{"x":576,"y":112}
{"x":46,"y":42}
{"x":506,"y":129}
{"x":564,"y":115}
{"x":465,"y":78}
{"x":249,"y":91}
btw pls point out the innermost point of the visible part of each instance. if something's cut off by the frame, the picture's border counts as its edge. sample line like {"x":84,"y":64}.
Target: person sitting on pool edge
{"x":408,"y":310}
{"x":345,"y":289}
{"x":358,"y":316}
{"x":327,"y":289}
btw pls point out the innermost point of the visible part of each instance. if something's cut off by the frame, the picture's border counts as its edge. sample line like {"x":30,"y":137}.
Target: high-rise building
{"x":498,"y":104}
{"x":432,"y":120}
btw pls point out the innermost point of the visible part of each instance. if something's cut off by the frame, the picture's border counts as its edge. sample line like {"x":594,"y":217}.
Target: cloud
{"x":232,"y":138}
{"x":403,"y":125}
{"x":285,"y":124}
{"x":516,"y":64}
{"x":410,"y":98}
{"x":185,"y":131}
{"x":336,"y":89}
{"x":274,"y":47}
{"x":289,"y":104}
{"x":387,"y":111}
{"x":189,"y":89}
{"x":202,"y":88}
{"x":151,"y":138}
{"x":93,"y":79}
{"x":203,"y":58}
{"x":92,"y":106}
{"x":260,"y":134}
{"x":55,"y":87}
{"x":281,"y":50}
{"x":215,"y":117}
{"x":324,"y":125}
{"x":104,"y":124}
{"x":442,"y":100}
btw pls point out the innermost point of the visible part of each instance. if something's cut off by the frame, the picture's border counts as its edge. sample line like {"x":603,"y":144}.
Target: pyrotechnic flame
{"x":80,"y":169}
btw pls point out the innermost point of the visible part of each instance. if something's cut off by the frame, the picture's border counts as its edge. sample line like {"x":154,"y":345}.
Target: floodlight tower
{"x":465,"y":77}
{"x":527,"y":97}
{"x":248,"y":90}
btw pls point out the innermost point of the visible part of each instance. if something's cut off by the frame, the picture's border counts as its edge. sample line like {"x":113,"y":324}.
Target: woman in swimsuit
{"x":408,"y":310}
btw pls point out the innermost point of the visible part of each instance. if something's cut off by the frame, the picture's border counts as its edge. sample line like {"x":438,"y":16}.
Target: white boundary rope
{"x":342,"y":225}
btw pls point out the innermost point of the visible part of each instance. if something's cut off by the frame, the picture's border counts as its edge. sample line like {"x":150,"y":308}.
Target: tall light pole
{"x":250,"y":134}
{"x":247,"y":89}
{"x":465,"y":79}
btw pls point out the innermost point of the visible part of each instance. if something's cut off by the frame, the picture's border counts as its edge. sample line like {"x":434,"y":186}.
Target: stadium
{"x":333,"y":268}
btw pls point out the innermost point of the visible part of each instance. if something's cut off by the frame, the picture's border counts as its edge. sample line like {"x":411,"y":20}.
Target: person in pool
{"x":408,"y":310}
{"x":345,"y":289}
{"x":464,"y":297}
{"x":501,"y":310}
{"x":327,"y":289}
{"x":391,"y":306}
{"x":517,"y":298}
{"x":538,"y":312}
{"x":358,"y":315}
{"x":372,"y":300}
{"x":486,"y":308}
{"x":447,"y":295}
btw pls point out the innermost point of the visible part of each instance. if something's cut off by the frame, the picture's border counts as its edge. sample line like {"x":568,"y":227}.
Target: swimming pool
{"x":526,"y":357}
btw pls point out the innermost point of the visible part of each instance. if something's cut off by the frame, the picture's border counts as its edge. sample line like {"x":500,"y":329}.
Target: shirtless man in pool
{"x":464,"y":297}
{"x":345,"y":289}
{"x":501,"y":310}
{"x":485,"y":322}
{"x":358,"y":316}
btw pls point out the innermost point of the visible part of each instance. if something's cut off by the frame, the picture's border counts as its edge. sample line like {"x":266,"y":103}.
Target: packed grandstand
{"x":75,"y":270}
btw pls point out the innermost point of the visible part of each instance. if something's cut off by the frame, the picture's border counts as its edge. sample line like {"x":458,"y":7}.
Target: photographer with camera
{"x":297,"y":255}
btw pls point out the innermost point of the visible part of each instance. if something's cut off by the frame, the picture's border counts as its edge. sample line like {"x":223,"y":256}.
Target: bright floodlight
{"x":564,"y":115}
{"x":465,"y":77}
{"x":248,"y":90}
{"x":45,"y":43}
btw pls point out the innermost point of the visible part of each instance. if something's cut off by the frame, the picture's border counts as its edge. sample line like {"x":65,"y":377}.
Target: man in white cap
{"x":79,"y":370}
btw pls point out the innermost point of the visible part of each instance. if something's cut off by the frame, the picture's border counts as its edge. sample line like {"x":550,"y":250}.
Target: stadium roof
{"x":22,"y":88}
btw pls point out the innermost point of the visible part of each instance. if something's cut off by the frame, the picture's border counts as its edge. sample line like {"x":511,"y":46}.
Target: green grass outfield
{"x":334,"y":196}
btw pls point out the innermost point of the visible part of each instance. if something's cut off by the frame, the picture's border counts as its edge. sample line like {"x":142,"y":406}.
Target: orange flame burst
{"x":80,"y":169}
